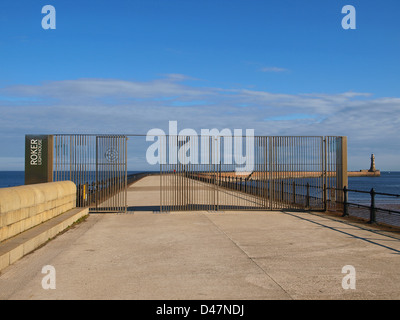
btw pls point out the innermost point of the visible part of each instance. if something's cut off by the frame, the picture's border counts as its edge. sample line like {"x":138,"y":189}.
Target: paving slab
{"x":202,"y":255}
{"x":264,"y":255}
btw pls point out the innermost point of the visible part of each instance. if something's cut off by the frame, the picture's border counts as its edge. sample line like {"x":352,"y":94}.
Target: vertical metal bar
{"x":372,"y":218}
{"x":97,"y":180}
{"x":325,"y":176}
{"x":345,"y":205}
{"x":270,"y":171}
{"x":161,"y":176}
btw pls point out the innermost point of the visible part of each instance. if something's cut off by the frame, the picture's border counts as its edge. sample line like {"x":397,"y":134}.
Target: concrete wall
{"x":364,"y":173}
{"x":24,"y":207}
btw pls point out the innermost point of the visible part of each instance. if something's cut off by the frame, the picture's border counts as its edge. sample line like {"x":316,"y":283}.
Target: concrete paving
{"x":206,"y":255}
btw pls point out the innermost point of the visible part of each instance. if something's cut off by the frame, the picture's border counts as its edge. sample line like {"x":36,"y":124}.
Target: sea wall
{"x":364,"y":173}
{"x":285,"y":174}
{"x":24,"y":207}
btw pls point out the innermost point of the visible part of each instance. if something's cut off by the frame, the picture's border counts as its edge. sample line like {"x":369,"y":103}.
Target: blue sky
{"x":280,"y":67}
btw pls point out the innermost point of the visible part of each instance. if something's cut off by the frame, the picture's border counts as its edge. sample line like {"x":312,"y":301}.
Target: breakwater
{"x":364,"y":173}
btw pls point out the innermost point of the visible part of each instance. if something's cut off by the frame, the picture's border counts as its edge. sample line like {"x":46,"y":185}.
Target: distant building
{"x":372,"y":172}
{"x":372,"y":168}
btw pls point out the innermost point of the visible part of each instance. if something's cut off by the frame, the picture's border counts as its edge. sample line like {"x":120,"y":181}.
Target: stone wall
{"x":364,"y":173}
{"x":24,"y":207}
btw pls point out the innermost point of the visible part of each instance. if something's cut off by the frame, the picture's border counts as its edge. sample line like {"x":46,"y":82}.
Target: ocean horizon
{"x":17,"y":178}
{"x":388,"y":182}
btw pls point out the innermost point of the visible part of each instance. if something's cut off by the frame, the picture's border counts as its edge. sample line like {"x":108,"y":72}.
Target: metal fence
{"x":257,"y":173}
{"x":210,"y":172}
{"x":97,"y":164}
{"x":381,"y":208}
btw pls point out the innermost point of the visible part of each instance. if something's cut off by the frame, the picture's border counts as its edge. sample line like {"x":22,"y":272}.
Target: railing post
{"x":345,"y":206}
{"x":308,"y":196}
{"x":372,"y":218}
{"x":294,"y":192}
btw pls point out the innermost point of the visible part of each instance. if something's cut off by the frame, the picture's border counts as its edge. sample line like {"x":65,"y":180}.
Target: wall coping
{"x":16,"y":198}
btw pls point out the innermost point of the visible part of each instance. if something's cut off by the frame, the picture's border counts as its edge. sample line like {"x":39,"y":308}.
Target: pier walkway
{"x":253,"y":255}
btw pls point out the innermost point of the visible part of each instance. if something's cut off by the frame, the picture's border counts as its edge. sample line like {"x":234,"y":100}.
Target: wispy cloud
{"x":120,"y":106}
{"x":100,"y":88}
{"x":273,"y":69}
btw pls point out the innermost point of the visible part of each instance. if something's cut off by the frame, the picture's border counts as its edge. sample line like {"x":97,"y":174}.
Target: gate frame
{"x":98,"y":183}
{"x":333,"y":164}
{"x":332,"y":174}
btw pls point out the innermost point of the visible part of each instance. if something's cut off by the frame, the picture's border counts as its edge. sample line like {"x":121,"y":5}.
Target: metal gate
{"x":211,"y":173}
{"x":97,"y":164}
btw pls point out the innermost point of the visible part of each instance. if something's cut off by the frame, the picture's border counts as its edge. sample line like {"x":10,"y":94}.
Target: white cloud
{"x":68,"y":90}
{"x":121,"y":106}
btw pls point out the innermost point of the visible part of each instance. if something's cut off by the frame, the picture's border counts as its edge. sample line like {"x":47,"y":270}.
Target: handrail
{"x":303,"y":199}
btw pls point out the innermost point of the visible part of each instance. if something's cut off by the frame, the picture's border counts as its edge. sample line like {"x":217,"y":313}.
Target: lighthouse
{"x":371,"y":172}
{"x":372,"y":168}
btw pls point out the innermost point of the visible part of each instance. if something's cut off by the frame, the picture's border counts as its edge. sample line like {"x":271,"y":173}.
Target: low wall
{"x":364,"y":173}
{"x":24,"y":207}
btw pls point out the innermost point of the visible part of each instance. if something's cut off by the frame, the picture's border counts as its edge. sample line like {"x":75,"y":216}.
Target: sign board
{"x":38,"y":159}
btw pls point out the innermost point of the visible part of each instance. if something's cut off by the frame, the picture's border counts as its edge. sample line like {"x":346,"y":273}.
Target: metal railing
{"x":287,"y":172}
{"x":381,"y":208}
{"x":374,"y":211}
{"x":284,"y":171}
{"x":97,"y":164}
{"x":377,"y":207}
{"x":286,"y":194}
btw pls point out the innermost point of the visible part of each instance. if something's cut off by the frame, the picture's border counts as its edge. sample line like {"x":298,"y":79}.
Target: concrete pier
{"x":364,"y":173}
{"x":206,"y":255}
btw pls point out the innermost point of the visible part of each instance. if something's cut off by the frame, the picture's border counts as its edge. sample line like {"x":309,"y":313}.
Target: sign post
{"x":38,"y":159}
